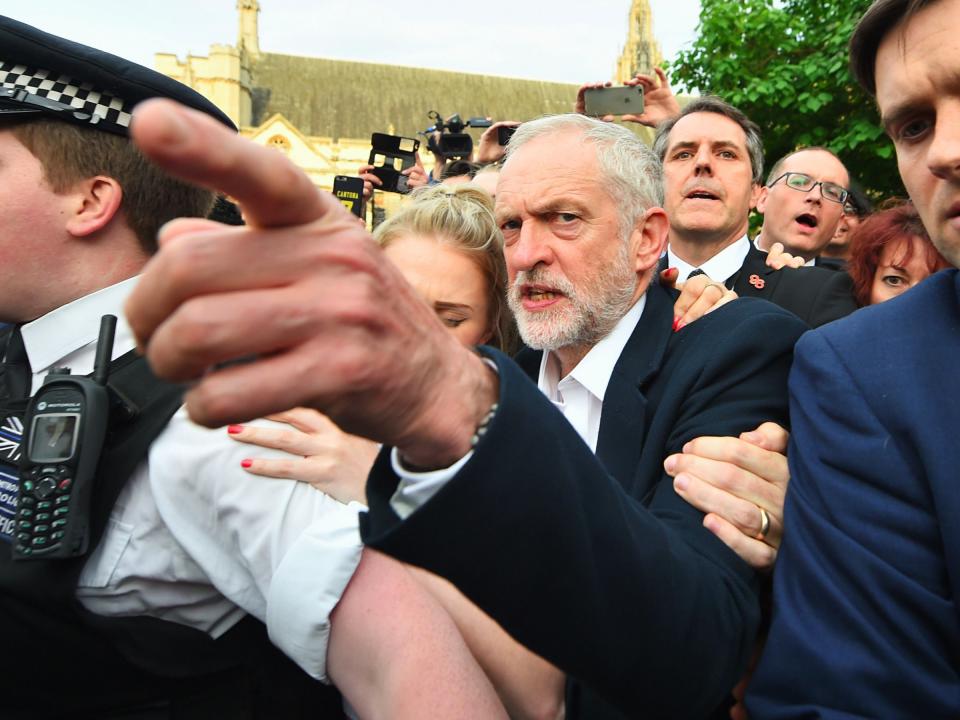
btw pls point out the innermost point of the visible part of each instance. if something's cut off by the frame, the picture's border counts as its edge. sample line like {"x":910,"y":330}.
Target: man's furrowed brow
{"x":720,"y":144}
{"x":551,"y":206}
{"x":682,"y":145}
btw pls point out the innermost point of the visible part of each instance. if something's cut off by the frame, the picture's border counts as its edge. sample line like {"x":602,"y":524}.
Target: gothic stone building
{"x":322,"y":112}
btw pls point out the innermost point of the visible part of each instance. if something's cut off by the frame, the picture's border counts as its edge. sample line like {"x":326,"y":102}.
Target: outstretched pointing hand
{"x":302,"y":289}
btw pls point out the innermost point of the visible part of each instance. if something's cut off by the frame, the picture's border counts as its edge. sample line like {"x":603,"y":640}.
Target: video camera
{"x":452,"y":143}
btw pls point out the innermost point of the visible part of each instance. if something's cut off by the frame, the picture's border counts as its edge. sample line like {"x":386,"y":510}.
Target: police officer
{"x":167,"y":615}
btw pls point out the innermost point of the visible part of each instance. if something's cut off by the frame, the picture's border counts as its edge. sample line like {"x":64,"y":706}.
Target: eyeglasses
{"x":805,"y":183}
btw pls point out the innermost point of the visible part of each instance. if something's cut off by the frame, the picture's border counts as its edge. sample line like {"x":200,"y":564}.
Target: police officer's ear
{"x":94,"y":203}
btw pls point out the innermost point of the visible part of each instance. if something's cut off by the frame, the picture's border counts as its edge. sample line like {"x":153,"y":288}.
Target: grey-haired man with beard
{"x":556,"y":518}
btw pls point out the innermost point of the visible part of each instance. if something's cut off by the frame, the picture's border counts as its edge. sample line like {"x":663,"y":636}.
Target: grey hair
{"x":718,"y":106}
{"x":629,"y":171}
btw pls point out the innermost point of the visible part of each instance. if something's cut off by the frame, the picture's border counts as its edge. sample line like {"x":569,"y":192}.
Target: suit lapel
{"x":529,"y":361}
{"x":623,"y":423}
{"x":755,"y":278}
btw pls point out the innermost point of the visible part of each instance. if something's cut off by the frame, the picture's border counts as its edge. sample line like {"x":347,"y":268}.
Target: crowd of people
{"x":560,"y":439}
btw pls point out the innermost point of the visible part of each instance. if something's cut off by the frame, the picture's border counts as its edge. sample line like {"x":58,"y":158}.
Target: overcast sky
{"x":563,"y":40}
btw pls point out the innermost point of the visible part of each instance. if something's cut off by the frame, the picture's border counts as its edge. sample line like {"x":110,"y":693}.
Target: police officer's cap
{"x":50,"y":76}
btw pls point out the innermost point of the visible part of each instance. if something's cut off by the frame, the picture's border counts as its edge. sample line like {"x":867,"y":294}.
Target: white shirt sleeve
{"x":279,"y":549}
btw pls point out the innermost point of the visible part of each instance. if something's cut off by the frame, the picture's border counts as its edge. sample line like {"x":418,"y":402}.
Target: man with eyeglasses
{"x":712,"y":158}
{"x":802,"y":202}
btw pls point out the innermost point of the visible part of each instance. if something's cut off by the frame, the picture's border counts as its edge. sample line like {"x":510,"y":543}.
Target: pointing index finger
{"x":194,"y":147}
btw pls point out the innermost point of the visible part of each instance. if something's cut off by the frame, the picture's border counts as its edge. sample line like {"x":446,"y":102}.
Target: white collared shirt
{"x":579,"y":396}
{"x":195,"y":539}
{"x":720,"y":267}
{"x":67,"y":336}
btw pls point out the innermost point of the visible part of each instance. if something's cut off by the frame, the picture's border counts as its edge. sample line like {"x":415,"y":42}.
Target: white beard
{"x":588,"y":315}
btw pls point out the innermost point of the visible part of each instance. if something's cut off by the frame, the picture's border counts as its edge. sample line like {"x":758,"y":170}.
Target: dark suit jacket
{"x":867,"y":588}
{"x":831,"y":263}
{"x":815,"y":295}
{"x":593,"y":561}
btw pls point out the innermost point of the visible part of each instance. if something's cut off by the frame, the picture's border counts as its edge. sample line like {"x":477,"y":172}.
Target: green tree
{"x":784,"y":63}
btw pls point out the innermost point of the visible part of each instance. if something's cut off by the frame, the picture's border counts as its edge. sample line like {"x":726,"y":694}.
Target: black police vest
{"x":62,"y":661}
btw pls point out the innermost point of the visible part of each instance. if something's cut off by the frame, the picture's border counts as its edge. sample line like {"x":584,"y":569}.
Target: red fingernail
{"x":246,"y":463}
{"x":234,"y":429}
{"x":676,"y":324}
{"x":681,"y":325}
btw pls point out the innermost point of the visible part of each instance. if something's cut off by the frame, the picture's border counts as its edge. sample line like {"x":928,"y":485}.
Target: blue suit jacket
{"x":866,"y":620}
{"x":593,"y":561}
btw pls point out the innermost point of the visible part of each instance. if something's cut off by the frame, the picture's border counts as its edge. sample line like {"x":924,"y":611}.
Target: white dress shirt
{"x":720,"y":267}
{"x":195,"y":539}
{"x":579,"y":396}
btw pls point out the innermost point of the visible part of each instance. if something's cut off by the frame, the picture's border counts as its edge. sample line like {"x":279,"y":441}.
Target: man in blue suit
{"x":867,"y":588}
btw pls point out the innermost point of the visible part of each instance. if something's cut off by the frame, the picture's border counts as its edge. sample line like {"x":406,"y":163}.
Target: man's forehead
{"x":818,"y":164}
{"x":562,"y":149}
{"x":553,"y":162}
{"x":905,"y":68}
{"x":711,"y":127}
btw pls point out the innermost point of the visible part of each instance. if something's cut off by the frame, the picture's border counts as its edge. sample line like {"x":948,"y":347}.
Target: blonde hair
{"x":461,"y":217}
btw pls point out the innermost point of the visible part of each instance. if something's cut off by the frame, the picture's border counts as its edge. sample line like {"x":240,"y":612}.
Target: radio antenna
{"x":101,"y":364}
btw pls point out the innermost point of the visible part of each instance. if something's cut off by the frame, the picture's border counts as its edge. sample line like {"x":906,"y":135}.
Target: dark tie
{"x":695,"y":272}
{"x":17,"y":376}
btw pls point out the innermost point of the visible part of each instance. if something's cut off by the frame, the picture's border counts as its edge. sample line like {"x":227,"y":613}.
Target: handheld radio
{"x":63,"y":435}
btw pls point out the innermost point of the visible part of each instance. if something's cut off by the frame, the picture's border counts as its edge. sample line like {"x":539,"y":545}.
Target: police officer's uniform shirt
{"x":195,"y":539}
{"x":720,"y":267}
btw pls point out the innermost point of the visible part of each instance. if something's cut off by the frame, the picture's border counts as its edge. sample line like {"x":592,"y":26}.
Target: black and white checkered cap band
{"x":63,"y":89}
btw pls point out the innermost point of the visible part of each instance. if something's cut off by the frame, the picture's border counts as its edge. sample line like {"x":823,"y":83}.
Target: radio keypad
{"x":44,"y":496}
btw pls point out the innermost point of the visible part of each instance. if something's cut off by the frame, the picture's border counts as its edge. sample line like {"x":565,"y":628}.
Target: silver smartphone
{"x":623,"y":100}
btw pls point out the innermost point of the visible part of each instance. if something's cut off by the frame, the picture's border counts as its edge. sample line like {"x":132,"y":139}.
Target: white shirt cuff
{"x":416,"y":488}
{"x":307,"y":586}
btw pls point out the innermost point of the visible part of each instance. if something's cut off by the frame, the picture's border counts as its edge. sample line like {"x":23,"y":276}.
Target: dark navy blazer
{"x":814,"y":294}
{"x":866,"y":619}
{"x":593,"y":561}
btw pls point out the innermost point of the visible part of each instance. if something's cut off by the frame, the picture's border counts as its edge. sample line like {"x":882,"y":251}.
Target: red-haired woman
{"x":890,"y":252}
